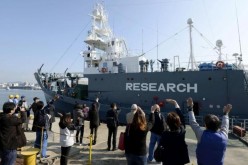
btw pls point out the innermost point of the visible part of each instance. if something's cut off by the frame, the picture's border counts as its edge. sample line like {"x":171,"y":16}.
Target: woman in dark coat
{"x":135,"y":138}
{"x":173,"y":139}
{"x":94,"y":121}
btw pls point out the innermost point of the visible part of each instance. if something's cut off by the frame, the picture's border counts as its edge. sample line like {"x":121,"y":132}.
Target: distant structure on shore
{"x":20,"y":85}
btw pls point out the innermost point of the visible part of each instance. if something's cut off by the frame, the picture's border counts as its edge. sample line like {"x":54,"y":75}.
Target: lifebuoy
{"x":220,"y":64}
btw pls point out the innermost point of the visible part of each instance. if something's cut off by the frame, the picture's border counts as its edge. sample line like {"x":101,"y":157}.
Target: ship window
{"x":131,"y":78}
{"x":210,"y":78}
{"x":127,"y":78}
{"x":113,"y":43}
{"x":95,"y":79}
{"x":183,"y":78}
{"x":101,"y":78}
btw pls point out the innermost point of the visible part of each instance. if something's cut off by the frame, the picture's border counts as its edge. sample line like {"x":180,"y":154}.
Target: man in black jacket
{"x":112,"y":124}
{"x":10,"y":128}
{"x":156,"y":131}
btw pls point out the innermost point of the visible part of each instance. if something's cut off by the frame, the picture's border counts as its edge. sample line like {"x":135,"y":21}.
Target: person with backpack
{"x":156,"y":131}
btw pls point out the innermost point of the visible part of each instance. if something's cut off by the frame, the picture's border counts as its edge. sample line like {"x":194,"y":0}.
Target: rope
{"x":65,"y":52}
{"x":165,"y":40}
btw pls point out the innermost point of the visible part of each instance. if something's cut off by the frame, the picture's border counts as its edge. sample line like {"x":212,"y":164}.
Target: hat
{"x":22,"y":97}
{"x":35,"y":98}
{"x":11,"y":96}
{"x":17,"y":96}
{"x":134,"y":107}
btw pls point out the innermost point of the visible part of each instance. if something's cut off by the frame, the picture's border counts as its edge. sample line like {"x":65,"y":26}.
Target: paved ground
{"x":236,"y":151}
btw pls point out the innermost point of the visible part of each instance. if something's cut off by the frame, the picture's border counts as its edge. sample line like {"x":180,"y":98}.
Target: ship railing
{"x":243,"y":123}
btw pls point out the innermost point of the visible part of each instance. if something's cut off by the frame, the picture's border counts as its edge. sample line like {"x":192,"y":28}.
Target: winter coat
{"x":11,"y":133}
{"x":78,"y":117}
{"x":67,"y":135}
{"x":94,"y":118}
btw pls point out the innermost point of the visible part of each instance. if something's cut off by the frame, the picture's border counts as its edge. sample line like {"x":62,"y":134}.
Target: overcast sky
{"x":52,"y":31}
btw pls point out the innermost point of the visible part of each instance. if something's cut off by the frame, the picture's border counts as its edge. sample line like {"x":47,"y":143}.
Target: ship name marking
{"x":161,"y":87}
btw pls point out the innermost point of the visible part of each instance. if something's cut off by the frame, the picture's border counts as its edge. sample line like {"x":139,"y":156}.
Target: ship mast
{"x":191,"y":58}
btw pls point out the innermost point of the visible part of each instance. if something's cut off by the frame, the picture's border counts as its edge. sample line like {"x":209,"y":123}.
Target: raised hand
{"x":174,"y":102}
{"x":190,"y":102}
{"x":227,"y":109}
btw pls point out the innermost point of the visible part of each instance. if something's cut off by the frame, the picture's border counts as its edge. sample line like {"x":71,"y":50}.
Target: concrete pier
{"x":236,"y":151}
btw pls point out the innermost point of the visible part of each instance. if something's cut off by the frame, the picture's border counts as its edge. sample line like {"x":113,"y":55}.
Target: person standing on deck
{"x":15,"y":100}
{"x":51,"y":111}
{"x":112,"y":124}
{"x":41,"y":122}
{"x":158,"y":128}
{"x":24,"y":105}
{"x":11,"y":97}
{"x":212,"y":141}
{"x":78,"y":120}
{"x":94,"y":121}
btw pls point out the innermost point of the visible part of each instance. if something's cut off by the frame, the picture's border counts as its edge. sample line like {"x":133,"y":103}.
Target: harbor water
{"x":29,"y":94}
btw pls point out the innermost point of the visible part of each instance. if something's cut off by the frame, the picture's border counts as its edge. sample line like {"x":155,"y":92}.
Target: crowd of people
{"x":167,"y":132}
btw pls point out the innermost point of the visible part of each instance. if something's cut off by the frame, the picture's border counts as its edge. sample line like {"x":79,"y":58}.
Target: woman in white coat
{"x":66,"y":136}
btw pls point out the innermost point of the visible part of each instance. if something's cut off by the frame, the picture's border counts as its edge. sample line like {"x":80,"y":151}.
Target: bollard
{"x":90,"y":150}
{"x":29,"y":156}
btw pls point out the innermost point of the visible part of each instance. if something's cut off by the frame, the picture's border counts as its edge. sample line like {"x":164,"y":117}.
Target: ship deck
{"x":236,"y":151}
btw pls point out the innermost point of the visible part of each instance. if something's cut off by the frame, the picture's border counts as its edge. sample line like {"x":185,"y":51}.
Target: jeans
{"x":44,"y":143}
{"x":81,"y":131}
{"x":136,"y":160}
{"x":112,"y":131}
{"x":8,"y":157}
{"x":155,"y":138}
{"x":64,"y":155}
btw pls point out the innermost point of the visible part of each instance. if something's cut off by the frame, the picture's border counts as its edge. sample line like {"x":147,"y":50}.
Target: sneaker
{"x":80,"y":144}
{"x":108,"y":149}
{"x":114,"y":149}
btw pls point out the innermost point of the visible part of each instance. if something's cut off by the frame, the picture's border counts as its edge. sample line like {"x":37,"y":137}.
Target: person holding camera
{"x":11,"y":134}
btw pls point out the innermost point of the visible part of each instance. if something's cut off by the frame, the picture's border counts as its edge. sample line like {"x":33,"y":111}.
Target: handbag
{"x":121,"y":145}
{"x":159,"y":153}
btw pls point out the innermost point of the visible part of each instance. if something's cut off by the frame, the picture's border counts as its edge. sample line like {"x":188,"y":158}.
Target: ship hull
{"x":211,"y":90}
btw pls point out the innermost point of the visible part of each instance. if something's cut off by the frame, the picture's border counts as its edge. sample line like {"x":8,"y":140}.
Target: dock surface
{"x":236,"y":151}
